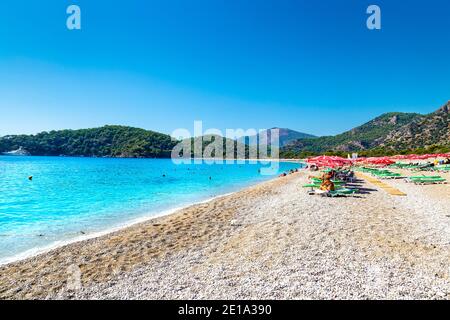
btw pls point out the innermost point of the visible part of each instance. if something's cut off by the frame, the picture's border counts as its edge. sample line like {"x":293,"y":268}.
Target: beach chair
{"x":338,"y":192}
{"x":422,"y":180}
{"x":390,"y":176}
{"x":312,"y":186}
{"x":342,"y":192}
{"x":442,"y":168}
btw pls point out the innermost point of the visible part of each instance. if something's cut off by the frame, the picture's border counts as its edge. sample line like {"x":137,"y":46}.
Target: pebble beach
{"x":269,"y":241}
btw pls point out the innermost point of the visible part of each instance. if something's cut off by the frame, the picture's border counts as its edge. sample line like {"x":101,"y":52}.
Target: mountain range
{"x":393,"y":132}
{"x":390,"y":132}
{"x":432,"y":129}
{"x":286,"y":136}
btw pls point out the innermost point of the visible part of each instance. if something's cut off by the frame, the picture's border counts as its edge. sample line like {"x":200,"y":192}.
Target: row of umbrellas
{"x":335,"y":161}
{"x":421,"y":157}
{"x":329,"y":161}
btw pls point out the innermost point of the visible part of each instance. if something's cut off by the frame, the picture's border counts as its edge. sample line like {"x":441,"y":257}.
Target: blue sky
{"x":312,"y":66}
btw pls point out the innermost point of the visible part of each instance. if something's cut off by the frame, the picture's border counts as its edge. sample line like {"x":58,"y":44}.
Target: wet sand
{"x":271,"y":241}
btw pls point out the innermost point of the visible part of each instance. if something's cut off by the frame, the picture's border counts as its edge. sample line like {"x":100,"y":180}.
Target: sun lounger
{"x":426,"y":180}
{"x":336,"y":182}
{"x":342,"y":192}
{"x":317,"y":186}
{"x":442,"y":168}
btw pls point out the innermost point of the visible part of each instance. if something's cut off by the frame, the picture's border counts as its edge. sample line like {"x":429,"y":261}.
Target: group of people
{"x":441,"y":162}
{"x":328,"y":177}
{"x":284,"y":174}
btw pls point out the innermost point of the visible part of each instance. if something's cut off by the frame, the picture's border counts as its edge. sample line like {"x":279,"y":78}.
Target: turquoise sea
{"x":69,"y":198}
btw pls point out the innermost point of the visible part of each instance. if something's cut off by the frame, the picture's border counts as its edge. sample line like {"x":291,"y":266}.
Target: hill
{"x":107,"y":141}
{"x":366,"y":136}
{"x":392,"y":132}
{"x":424,"y":132}
{"x":286,"y":136}
{"x":240,"y":150}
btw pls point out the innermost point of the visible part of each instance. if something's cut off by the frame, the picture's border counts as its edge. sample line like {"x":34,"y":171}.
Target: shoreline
{"x":62,"y":243}
{"x":39,"y":262}
{"x":30,"y":253}
{"x":268,"y":241}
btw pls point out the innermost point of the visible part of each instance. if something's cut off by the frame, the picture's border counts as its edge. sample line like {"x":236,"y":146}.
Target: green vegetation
{"x":113,"y":141}
{"x":389,"y":134}
{"x":241,"y":150}
{"x":363,"y":137}
{"x":375,"y":152}
{"x":286,"y":136}
{"x":107,"y":141}
{"x":432,"y":129}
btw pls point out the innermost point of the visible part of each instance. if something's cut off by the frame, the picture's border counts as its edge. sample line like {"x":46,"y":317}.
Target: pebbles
{"x":271,"y":241}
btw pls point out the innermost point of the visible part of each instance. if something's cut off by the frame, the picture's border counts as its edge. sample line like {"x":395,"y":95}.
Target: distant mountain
{"x":286,"y":136}
{"x":209,"y":142}
{"x":432,"y":129}
{"x":363,"y":137}
{"x":114,"y":141}
{"x":388,"y":133}
{"x":107,"y":141}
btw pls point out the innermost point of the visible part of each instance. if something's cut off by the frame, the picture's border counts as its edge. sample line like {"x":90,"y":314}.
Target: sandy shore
{"x":268,"y":241}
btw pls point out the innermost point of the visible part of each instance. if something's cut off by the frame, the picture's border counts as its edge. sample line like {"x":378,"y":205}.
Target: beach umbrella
{"x":379,"y":161}
{"x":329,"y":161}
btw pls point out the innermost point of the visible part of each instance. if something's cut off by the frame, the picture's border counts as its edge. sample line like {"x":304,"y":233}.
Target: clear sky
{"x":311,"y":66}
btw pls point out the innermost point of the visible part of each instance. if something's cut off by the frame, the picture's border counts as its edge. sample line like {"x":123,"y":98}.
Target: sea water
{"x":69,"y":198}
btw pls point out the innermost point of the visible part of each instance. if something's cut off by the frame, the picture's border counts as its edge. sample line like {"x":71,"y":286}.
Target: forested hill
{"x":107,"y":141}
{"x":432,"y":129}
{"x":364,"y":137}
{"x":112,"y":141}
{"x":389,"y":133}
{"x":286,"y":136}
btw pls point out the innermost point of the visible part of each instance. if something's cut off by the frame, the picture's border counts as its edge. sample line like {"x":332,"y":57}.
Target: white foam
{"x":57,"y":244}
{"x":150,"y":216}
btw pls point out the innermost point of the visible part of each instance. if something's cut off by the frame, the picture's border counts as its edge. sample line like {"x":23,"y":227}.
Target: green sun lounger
{"x":390,"y":176}
{"x":417,"y":178}
{"x":342,"y":192}
{"x":430,"y":181}
{"x":311,"y":185}
{"x":427,"y":180}
{"x":318,"y":180}
{"x":425,"y":177}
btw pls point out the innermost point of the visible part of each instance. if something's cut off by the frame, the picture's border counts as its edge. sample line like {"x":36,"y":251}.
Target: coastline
{"x":62,"y":243}
{"x":268,"y":241}
{"x":146,"y":217}
{"x":156,"y":220}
